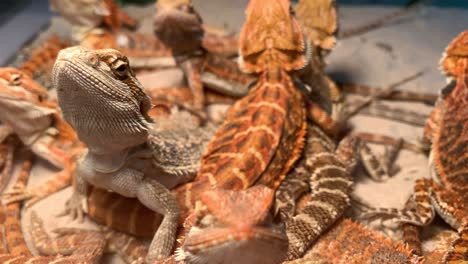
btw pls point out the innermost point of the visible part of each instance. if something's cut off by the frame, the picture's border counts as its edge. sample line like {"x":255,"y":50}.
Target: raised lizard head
{"x":455,"y":53}
{"x":101,"y":98}
{"x":23,"y":104}
{"x":455,"y":64}
{"x":271,"y":34}
{"x":235,"y":227}
{"x":178,"y":25}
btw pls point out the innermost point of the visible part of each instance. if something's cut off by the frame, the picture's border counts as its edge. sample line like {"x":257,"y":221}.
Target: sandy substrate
{"x":379,"y":58}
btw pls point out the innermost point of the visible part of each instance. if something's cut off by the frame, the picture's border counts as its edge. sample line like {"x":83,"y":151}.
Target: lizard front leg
{"x":158,"y":198}
{"x":132,"y":182}
{"x":192,"y":71}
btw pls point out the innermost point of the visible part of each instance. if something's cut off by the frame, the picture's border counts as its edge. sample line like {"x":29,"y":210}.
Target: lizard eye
{"x":121,"y":68}
{"x":15,"y":79}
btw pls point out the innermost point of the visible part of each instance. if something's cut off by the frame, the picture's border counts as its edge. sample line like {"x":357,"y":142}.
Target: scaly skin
{"x":70,"y":246}
{"x":446,"y":194}
{"x":126,"y":153}
{"x":348,"y":242}
{"x":41,"y":60}
{"x":248,"y":129}
{"x":98,"y":25}
{"x":253,"y":144}
{"x":16,"y":250}
{"x":27,"y":112}
{"x":179,"y":26}
{"x":239,"y":220}
{"x":329,"y":168}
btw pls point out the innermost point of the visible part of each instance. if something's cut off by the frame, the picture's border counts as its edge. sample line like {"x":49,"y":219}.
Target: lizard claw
{"x":74,"y":207}
{"x":20,"y":194}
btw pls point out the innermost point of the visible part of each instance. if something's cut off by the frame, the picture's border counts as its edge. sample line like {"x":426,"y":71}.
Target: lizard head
{"x":178,"y":25}
{"x":235,"y":227}
{"x":24,"y":104}
{"x":101,"y":98}
{"x":454,"y":63}
{"x":272,"y":33}
{"x":19,"y":86}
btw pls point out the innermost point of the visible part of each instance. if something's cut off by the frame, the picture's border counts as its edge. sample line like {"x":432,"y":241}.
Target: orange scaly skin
{"x":234,"y":227}
{"x":58,"y":148}
{"x":40,"y":62}
{"x":349,"y":242}
{"x":85,"y":246}
{"x":14,"y":237}
{"x":7,"y":151}
{"x":179,"y":26}
{"x":447,"y":132}
{"x":263,"y":133}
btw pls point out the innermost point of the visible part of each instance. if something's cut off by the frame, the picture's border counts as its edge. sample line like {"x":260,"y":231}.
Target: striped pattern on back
{"x":259,"y":141}
{"x":450,"y":145}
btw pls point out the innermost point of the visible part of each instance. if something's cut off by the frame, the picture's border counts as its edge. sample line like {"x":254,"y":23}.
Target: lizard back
{"x":451,"y":136}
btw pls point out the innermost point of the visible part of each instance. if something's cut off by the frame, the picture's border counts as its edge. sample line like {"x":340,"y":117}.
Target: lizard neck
{"x":106,"y":161}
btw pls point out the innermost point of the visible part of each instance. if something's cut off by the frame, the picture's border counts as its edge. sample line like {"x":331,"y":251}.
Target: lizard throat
{"x":103,"y":111}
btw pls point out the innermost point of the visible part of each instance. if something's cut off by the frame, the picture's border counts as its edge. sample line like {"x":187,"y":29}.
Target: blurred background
{"x":20,"y":20}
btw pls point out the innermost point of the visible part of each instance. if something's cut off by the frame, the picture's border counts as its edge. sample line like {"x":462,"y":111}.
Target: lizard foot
{"x":162,"y":244}
{"x":75,"y":207}
{"x":20,"y":193}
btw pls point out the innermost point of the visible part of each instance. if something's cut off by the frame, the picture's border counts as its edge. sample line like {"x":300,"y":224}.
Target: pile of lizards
{"x":269,"y":181}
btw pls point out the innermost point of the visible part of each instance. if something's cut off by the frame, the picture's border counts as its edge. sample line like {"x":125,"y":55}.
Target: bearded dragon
{"x":349,"y":242}
{"x":28,"y":113}
{"x":264,"y":132}
{"x":126,"y":153}
{"x":91,"y":28}
{"x":446,"y":132}
{"x":119,"y":82}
